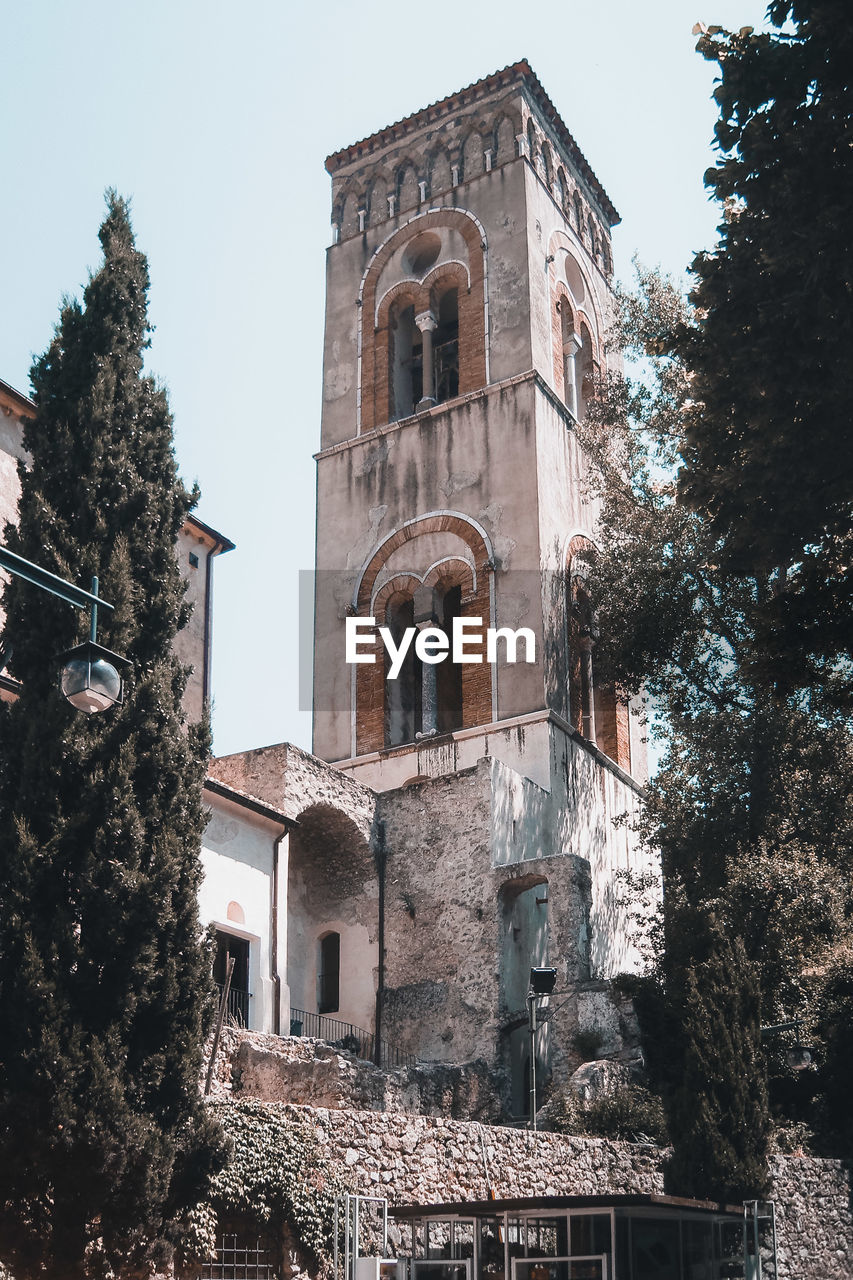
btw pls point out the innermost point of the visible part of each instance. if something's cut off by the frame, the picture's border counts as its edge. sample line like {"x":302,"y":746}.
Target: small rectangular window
{"x":193,"y":560}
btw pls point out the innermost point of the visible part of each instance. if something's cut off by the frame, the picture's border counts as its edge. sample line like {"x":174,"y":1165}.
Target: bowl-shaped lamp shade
{"x":799,"y":1058}
{"x":89,"y":680}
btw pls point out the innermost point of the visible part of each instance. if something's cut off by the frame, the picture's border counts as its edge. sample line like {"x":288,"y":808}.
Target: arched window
{"x":562,"y":192}
{"x":547,"y":166}
{"x":405,"y":353}
{"x":531,"y":141}
{"x":403,"y":695}
{"x":593,"y":237}
{"x":571,"y":355}
{"x":425,"y":698}
{"x":578,"y":203}
{"x":588,"y":369}
{"x":581,"y":645}
{"x":445,"y":347}
{"x":505,"y":138}
{"x":329,"y":973}
{"x":448,"y":674}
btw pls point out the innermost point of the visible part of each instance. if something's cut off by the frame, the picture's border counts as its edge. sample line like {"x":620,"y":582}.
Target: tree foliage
{"x":767,"y":450}
{"x":719,"y":1107}
{"x":105,"y":986}
{"x":278,"y":1172}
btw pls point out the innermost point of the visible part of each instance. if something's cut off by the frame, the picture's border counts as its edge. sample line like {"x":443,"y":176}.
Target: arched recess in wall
{"x":377,"y":199}
{"x":405,"y":290}
{"x":439,"y":172}
{"x":408,"y":194}
{"x":347,"y":216}
{"x":523,"y":912}
{"x":472,"y":156}
{"x":332,"y":917}
{"x":575,"y":325}
{"x":429,"y":571}
{"x":506,"y":131}
{"x":599,"y":712}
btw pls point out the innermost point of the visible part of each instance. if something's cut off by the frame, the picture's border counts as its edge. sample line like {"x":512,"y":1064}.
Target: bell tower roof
{"x":519,"y":76}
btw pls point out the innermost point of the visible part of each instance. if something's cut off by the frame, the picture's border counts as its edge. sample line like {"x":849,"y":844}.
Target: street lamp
{"x":542,"y":983}
{"x":88,"y":676}
{"x":799,"y":1056}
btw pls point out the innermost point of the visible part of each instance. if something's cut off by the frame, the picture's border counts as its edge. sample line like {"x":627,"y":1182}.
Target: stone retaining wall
{"x":429,"y":1160}
{"x":814,"y":1221}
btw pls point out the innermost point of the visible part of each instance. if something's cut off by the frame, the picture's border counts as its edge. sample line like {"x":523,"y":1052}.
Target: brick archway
{"x":450,"y":571}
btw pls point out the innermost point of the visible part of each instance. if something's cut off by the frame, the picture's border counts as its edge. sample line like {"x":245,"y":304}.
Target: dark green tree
{"x":750,"y":808}
{"x":718,"y":1109}
{"x":105,"y":988}
{"x":767,"y":448}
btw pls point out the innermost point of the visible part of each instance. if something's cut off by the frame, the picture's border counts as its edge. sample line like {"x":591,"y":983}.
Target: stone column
{"x":587,"y":694}
{"x":427,"y":324}
{"x":570,"y":353}
{"x":424,"y":617}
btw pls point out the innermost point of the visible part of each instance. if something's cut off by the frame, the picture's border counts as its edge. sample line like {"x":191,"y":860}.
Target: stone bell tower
{"x":467,"y":307}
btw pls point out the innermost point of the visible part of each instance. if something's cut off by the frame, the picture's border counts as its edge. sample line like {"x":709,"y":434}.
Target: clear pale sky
{"x":215,"y":119}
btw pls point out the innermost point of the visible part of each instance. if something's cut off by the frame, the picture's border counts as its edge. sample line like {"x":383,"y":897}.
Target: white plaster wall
{"x":237,"y":859}
{"x":189,"y":644}
{"x":11,"y":452}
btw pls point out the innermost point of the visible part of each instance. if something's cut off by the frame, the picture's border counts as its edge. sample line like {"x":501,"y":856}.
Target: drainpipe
{"x":274,"y":973}
{"x":214,"y":551}
{"x":380,"y":856}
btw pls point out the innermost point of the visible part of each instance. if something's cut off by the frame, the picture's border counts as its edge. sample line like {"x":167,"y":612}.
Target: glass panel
{"x":438,"y":1239}
{"x":654,"y":1249}
{"x":463,"y":1239}
{"x":515,"y":1237}
{"x":730,"y":1248}
{"x":491,"y":1248}
{"x":547,"y":1238}
{"x":418,"y":1239}
{"x":590,"y":1233}
{"x":697,"y":1251}
{"x":439,"y":1271}
{"x":561,"y":1269}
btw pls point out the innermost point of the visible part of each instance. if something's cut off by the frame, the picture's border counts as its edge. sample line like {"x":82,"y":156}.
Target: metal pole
{"x":223,"y":1005}
{"x":531,"y":1014}
{"x":93,"y":624}
{"x":336,"y":1229}
{"x":355,"y":1234}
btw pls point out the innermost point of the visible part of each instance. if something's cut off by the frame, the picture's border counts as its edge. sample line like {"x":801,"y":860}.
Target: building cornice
{"x":520,"y":73}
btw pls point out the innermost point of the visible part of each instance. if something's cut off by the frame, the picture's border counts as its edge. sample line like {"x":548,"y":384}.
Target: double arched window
{"x":423,"y":353}
{"x":425,"y":699}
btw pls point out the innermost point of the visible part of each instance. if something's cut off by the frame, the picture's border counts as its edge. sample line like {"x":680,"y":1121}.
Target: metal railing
{"x":238,"y":1006}
{"x":343,"y":1035}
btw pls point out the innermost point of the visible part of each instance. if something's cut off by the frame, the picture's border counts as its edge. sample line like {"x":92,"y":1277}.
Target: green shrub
{"x":631,"y":1113}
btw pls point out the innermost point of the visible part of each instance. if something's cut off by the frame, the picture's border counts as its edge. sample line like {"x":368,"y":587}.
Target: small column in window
{"x":392,"y":205}
{"x":487,"y":158}
{"x":427,"y":324}
{"x":425,"y":617}
{"x":571,"y":347}
{"x":422,"y":191}
{"x":454,"y":175}
{"x":362,"y":218}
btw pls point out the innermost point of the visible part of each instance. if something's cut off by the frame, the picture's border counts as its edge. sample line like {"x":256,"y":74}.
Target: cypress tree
{"x":718,"y":1117}
{"x":105,"y":987}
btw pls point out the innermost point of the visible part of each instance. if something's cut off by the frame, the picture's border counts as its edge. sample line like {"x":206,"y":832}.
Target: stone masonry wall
{"x":814,"y":1220}
{"x":427,"y":1160}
